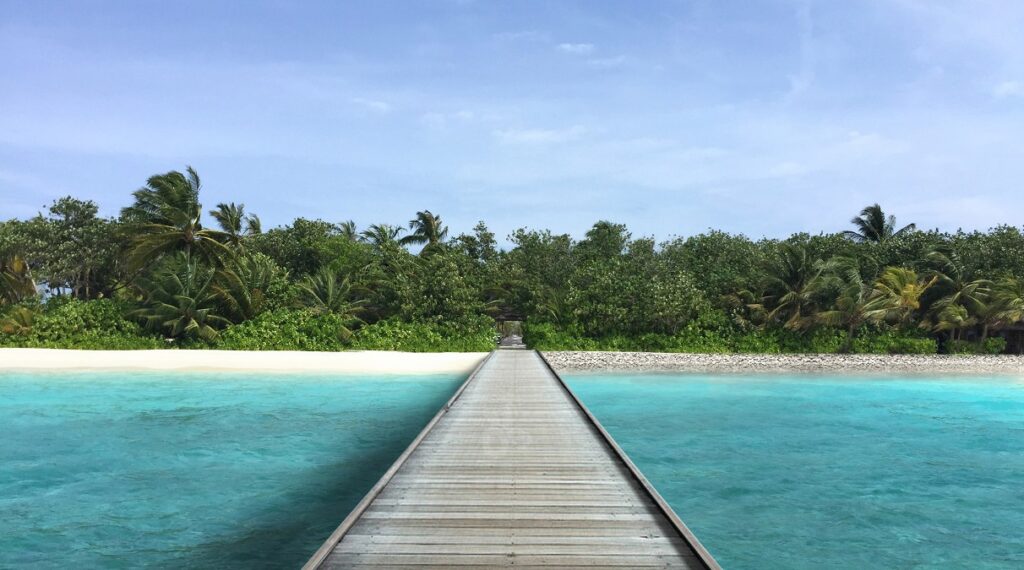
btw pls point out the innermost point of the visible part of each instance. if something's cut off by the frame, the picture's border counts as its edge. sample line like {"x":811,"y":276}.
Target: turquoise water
{"x":801,"y":473}
{"x":188,"y":470}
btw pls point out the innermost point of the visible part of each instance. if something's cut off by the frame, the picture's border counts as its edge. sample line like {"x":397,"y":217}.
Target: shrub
{"x":757,"y":342}
{"x":960,"y":347}
{"x":993,"y":345}
{"x":703,"y":339}
{"x":547,"y":336}
{"x":909,"y":345}
{"x":894,"y":342}
{"x":696,"y":339}
{"x":468,"y":335}
{"x":781,"y":341}
{"x":285,"y":329}
{"x":818,"y":341}
{"x":64,"y":322}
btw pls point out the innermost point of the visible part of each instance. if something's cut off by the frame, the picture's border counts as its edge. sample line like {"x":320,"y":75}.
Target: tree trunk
{"x":848,"y":343}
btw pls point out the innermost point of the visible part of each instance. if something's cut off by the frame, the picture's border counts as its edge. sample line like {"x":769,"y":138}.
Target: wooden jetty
{"x":513,"y":471}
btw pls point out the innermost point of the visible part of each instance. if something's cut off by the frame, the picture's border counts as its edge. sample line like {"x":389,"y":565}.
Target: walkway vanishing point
{"x":512,"y":472}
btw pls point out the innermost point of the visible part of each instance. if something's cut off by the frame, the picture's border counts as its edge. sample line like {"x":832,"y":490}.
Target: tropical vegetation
{"x":167,"y":273}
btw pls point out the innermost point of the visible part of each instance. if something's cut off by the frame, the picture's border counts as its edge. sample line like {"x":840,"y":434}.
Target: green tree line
{"x":168,"y":273}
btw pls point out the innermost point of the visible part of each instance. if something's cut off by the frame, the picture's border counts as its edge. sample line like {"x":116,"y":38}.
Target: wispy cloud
{"x":1009,"y":89}
{"x":540,"y":136}
{"x":695,"y":105}
{"x":441,"y":121}
{"x":989,"y":28}
{"x":802,"y":80}
{"x":520,"y":35}
{"x":607,"y":61}
{"x":374,"y":105}
{"x":577,"y":49}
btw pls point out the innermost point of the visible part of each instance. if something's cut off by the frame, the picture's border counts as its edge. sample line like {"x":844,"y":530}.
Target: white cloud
{"x":434,"y":120}
{"x":858,"y":144}
{"x":577,"y":49}
{"x":1009,"y":89}
{"x":524,"y":130}
{"x":522,"y":35}
{"x":804,"y":78}
{"x":607,"y":61}
{"x":381,"y":107}
{"x":991,"y":27}
{"x":440,"y":121}
{"x":540,"y":136}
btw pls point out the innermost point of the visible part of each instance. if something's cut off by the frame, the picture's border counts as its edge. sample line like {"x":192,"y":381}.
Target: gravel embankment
{"x":778,"y":363}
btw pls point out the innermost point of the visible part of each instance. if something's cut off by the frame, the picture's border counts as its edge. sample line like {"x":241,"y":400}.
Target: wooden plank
{"x":513,"y":471}
{"x":563,"y":549}
{"x":505,"y":539}
{"x":699,"y":550}
{"x":325,"y":549}
{"x":526,"y":531}
{"x":356,"y":560}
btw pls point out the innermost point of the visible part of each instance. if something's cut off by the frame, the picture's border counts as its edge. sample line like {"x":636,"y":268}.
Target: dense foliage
{"x":63,"y":322}
{"x":159,"y":276}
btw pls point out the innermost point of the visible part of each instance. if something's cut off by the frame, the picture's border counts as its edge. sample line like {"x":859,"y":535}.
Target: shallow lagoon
{"x":122,"y":470}
{"x":841,"y":472}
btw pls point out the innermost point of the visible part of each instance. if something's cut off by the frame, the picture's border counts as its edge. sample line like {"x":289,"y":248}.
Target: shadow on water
{"x":286,"y":534}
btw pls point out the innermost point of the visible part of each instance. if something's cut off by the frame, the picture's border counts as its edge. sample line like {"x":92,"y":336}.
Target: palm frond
{"x":873,"y":226}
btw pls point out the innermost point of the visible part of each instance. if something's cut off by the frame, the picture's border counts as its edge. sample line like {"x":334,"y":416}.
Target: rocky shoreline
{"x":566,"y":361}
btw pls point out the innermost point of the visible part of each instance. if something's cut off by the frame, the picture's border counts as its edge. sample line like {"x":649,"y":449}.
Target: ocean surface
{"x":779,"y":472}
{"x":228,"y":470}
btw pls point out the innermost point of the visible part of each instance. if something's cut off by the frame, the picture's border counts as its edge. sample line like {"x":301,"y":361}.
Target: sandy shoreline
{"x":370,"y":362}
{"x":384,"y":362}
{"x":785,"y":363}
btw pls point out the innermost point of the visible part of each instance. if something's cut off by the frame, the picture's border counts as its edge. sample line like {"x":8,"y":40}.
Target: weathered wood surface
{"x":516,"y":472}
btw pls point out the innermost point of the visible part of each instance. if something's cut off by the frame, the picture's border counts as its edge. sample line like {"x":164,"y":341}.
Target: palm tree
{"x":792,"y":283}
{"x":1002,"y":306}
{"x":163,"y":196}
{"x":235,"y":223}
{"x":427,"y":229}
{"x":964,"y":298}
{"x":1009,"y":293}
{"x":874,"y":227}
{"x":381,"y":235}
{"x":181,"y":301}
{"x":1005,"y":306}
{"x":18,"y":321}
{"x":746,"y":307}
{"x":951,"y":318}
{"x":253,"y":225}
{"x":902,"y":290}
{"x":349,"y":230}
{"x":327,"y":291}
{"x":165,"y":219}
{"x":16,"y":283}
{"x":856,"y":304}
{"x":244,"y":283}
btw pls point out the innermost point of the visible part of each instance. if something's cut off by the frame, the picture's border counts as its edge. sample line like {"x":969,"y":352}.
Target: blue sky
{"x":761,"y":116}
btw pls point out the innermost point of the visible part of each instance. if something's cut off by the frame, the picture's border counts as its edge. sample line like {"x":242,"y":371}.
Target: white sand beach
{"x":370,"y":362}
